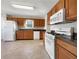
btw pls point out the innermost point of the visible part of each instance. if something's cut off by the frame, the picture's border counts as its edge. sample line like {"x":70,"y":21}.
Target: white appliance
{"x":9,"y":30}
{"x":66,"y":31}
{"x":50,"y":45}
{"x":36,"y":35}
{"x":58,"y":17}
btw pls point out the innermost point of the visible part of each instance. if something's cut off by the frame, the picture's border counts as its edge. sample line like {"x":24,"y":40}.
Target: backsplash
{"x":66,"y":25}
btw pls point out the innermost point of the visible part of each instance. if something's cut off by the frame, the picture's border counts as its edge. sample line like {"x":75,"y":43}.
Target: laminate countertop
{"x":69,"y":41}
{"x":34,"y":29}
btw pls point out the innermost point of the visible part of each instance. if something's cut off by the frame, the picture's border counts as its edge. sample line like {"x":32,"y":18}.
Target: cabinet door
{"x":64,"y":54}
{"x":59,"y":5}
{"x":48,"y":17}
{"x":28,"y":34}
{"x":42,"y":35}
{"x":71,"y":9}
{"x":20,"y":22}
{"x":39,"y":23}
{"x":57,"y":52}
{"x":42,"y":23}
{"x":53,"y":10}
{"x":19,"y":34}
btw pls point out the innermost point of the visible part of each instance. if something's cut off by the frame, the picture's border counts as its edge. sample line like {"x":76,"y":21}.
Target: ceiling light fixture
{"x":23,"y":7}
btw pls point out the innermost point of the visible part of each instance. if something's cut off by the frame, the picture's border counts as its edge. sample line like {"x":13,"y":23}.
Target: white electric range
{"x":50,"y":45}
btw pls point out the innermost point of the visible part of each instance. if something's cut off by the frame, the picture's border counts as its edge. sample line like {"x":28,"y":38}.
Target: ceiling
{"x":41,"y":7}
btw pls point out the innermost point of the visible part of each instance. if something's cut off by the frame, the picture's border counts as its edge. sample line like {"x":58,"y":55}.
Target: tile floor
{"x":23,"y":49}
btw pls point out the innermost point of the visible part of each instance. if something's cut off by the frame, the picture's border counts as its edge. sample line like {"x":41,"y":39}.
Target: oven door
{"x":49,"y":45}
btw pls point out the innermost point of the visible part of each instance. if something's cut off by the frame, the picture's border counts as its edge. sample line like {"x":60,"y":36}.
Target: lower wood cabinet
{"x":42,"y":35}
{"x":20,"y":34}
{"x":63,"y":51}
{"x":28,"y":34}
{"x":24,"y":34}
{"x":64,"y":54}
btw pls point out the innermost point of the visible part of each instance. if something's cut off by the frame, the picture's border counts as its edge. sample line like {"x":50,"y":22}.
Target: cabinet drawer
{"x":67,"y":46}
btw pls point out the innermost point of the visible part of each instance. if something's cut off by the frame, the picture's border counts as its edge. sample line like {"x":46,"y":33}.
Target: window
{"x":29,"y":24}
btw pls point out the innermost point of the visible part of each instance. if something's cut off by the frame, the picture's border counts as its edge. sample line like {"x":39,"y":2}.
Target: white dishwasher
{"x":36,"y":35}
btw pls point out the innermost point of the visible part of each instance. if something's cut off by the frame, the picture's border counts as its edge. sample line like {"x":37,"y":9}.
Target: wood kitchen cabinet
{"x":48,"y":16}
{"x":56,"y":8}
{"x":11,"y":17}
{"x":42,"y":23}
{"x":53,"y":10}
{"x":28,"y":34}
{"x":20,"y":34}
{"x":64,"y":54}
{"x":39,"y":23}
{"x":24,"y":34}
{"x":20,"y":22}
{"x":59,"y":5}
{"x":42,"y":35}
{"x":65,"y":50}
{"x":71,"y":9}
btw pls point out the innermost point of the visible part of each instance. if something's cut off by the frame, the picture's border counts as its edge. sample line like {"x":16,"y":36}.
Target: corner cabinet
{"x":65,"y":50}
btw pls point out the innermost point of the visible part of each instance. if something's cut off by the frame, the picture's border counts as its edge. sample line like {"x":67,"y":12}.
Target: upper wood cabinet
{"x":71,"y":9}
{"x":53,"y":10}
{"x":11,"y":17}
{"x":20,"y":22}
{"x":48,"y":16}
{"x":39,"y":23}
{"x":59,"y":5}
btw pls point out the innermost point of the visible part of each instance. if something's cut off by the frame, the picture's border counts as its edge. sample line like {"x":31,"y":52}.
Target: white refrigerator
{"x":9,"y":31}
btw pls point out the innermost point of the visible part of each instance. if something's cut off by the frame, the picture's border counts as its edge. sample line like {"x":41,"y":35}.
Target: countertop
{"x":65,"y":39}
{"x":34,"y":29}
{"x":69,"y":41}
